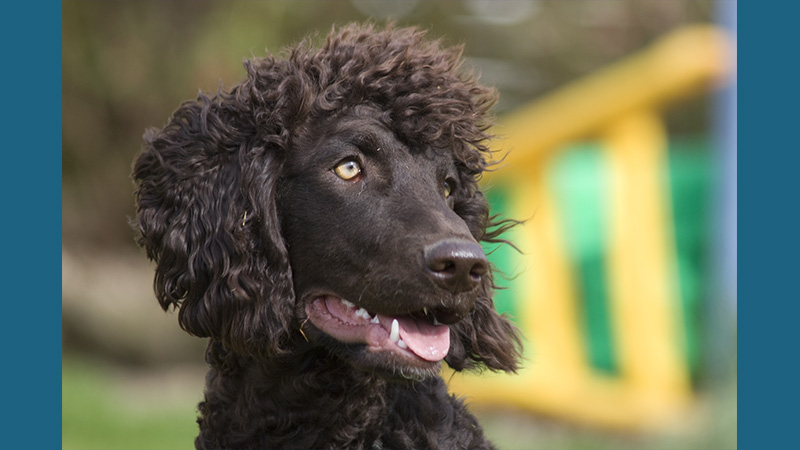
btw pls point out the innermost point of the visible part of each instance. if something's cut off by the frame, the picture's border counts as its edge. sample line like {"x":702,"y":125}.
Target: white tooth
{"x":401,"y":344}
{"x":361,"y":312}
{"x":435,"y":322}
{"x":348,"y":304}
{"x":394,"y":335}
{"x":375,"y":319}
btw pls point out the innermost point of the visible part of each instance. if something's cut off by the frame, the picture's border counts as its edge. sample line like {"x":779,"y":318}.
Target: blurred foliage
{"x":128,"y":65}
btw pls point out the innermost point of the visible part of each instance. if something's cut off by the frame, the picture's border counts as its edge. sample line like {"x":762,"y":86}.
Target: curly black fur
{"x":249,"y":226}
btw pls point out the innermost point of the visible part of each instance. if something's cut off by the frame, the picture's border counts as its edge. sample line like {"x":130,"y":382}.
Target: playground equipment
{"x":598,"y":290}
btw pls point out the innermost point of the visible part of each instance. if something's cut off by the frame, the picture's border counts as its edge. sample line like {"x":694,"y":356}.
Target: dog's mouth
{"x":417,"y":336}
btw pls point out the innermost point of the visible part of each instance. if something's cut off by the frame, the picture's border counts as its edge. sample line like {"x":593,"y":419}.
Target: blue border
{"x":31,"y":231}
{"x":769,"y":224}
{"x":31,"y":37}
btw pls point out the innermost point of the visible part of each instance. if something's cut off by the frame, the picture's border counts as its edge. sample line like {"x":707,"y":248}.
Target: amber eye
{"x":348,"y":170}
{"x":448,"y":188}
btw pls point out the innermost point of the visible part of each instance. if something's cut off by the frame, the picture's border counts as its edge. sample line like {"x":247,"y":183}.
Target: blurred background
{"x":620,"y":116}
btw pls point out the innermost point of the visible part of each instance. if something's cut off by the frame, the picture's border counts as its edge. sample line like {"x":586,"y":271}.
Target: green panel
{"x":579,"y":180}
{"x":690,"y":179}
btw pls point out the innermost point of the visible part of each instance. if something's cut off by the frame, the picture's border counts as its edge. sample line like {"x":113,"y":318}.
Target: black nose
{"x":456,"y":264}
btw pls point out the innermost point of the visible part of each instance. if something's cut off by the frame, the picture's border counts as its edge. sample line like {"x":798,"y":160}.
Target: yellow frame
{"x":619,"y":107}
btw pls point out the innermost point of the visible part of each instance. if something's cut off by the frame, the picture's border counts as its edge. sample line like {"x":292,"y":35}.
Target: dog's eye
{"x":348,"y":170}
{"x":448,"y":188}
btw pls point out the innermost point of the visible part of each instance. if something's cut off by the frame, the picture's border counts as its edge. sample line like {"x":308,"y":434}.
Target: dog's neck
{"x":305,"y":400}
{"x":310,"y":399}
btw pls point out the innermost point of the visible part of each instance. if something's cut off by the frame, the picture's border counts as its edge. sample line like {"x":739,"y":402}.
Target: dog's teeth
{"x":348,"y":304}
{"x":361,"y":312}
{"x":434,"y":321}
{"x":425,"y":310}
{"x":394,"y":335}
{"x":401,"y":344}
{"x":375,"y":319}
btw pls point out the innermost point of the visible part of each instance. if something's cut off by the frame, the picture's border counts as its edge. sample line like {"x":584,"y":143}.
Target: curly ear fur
{"x":202,"y":217}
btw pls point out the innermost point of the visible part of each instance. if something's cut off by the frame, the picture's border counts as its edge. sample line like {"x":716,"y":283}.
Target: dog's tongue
{"x":429,"y":342}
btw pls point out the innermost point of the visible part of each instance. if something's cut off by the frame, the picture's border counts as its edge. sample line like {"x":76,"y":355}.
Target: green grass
{"x":93,"y":415}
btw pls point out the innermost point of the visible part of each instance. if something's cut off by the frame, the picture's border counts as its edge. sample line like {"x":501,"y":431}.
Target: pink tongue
{"x":429,"y":342}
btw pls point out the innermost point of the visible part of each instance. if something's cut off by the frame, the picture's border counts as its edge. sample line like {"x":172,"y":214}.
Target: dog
{"x":321,"y":224}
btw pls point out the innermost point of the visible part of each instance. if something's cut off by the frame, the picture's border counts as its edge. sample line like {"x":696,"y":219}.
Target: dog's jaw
{"x":417,"y":341}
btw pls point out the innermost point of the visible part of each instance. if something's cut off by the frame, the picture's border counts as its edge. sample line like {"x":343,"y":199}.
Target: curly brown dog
{"x":321,"y":223}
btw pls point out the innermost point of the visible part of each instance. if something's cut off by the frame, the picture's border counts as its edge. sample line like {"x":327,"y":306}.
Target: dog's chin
{"x":402,"y":347}
{"x":385,"y":364}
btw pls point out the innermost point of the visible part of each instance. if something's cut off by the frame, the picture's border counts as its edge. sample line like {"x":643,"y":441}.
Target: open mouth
{"x":416,"y":336}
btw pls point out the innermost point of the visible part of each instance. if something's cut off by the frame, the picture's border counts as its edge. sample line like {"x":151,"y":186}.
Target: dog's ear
{"x":205,"y":189}
{"x":484,"y":339}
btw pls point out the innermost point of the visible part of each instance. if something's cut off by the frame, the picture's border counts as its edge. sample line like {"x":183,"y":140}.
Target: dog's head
{"x":332,"y":197}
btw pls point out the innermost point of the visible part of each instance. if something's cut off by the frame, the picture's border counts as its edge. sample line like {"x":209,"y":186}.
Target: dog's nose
{"x":456,"y":264}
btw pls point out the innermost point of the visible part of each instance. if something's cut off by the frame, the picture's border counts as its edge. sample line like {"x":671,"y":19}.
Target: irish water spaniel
{"x":320,"y":223}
